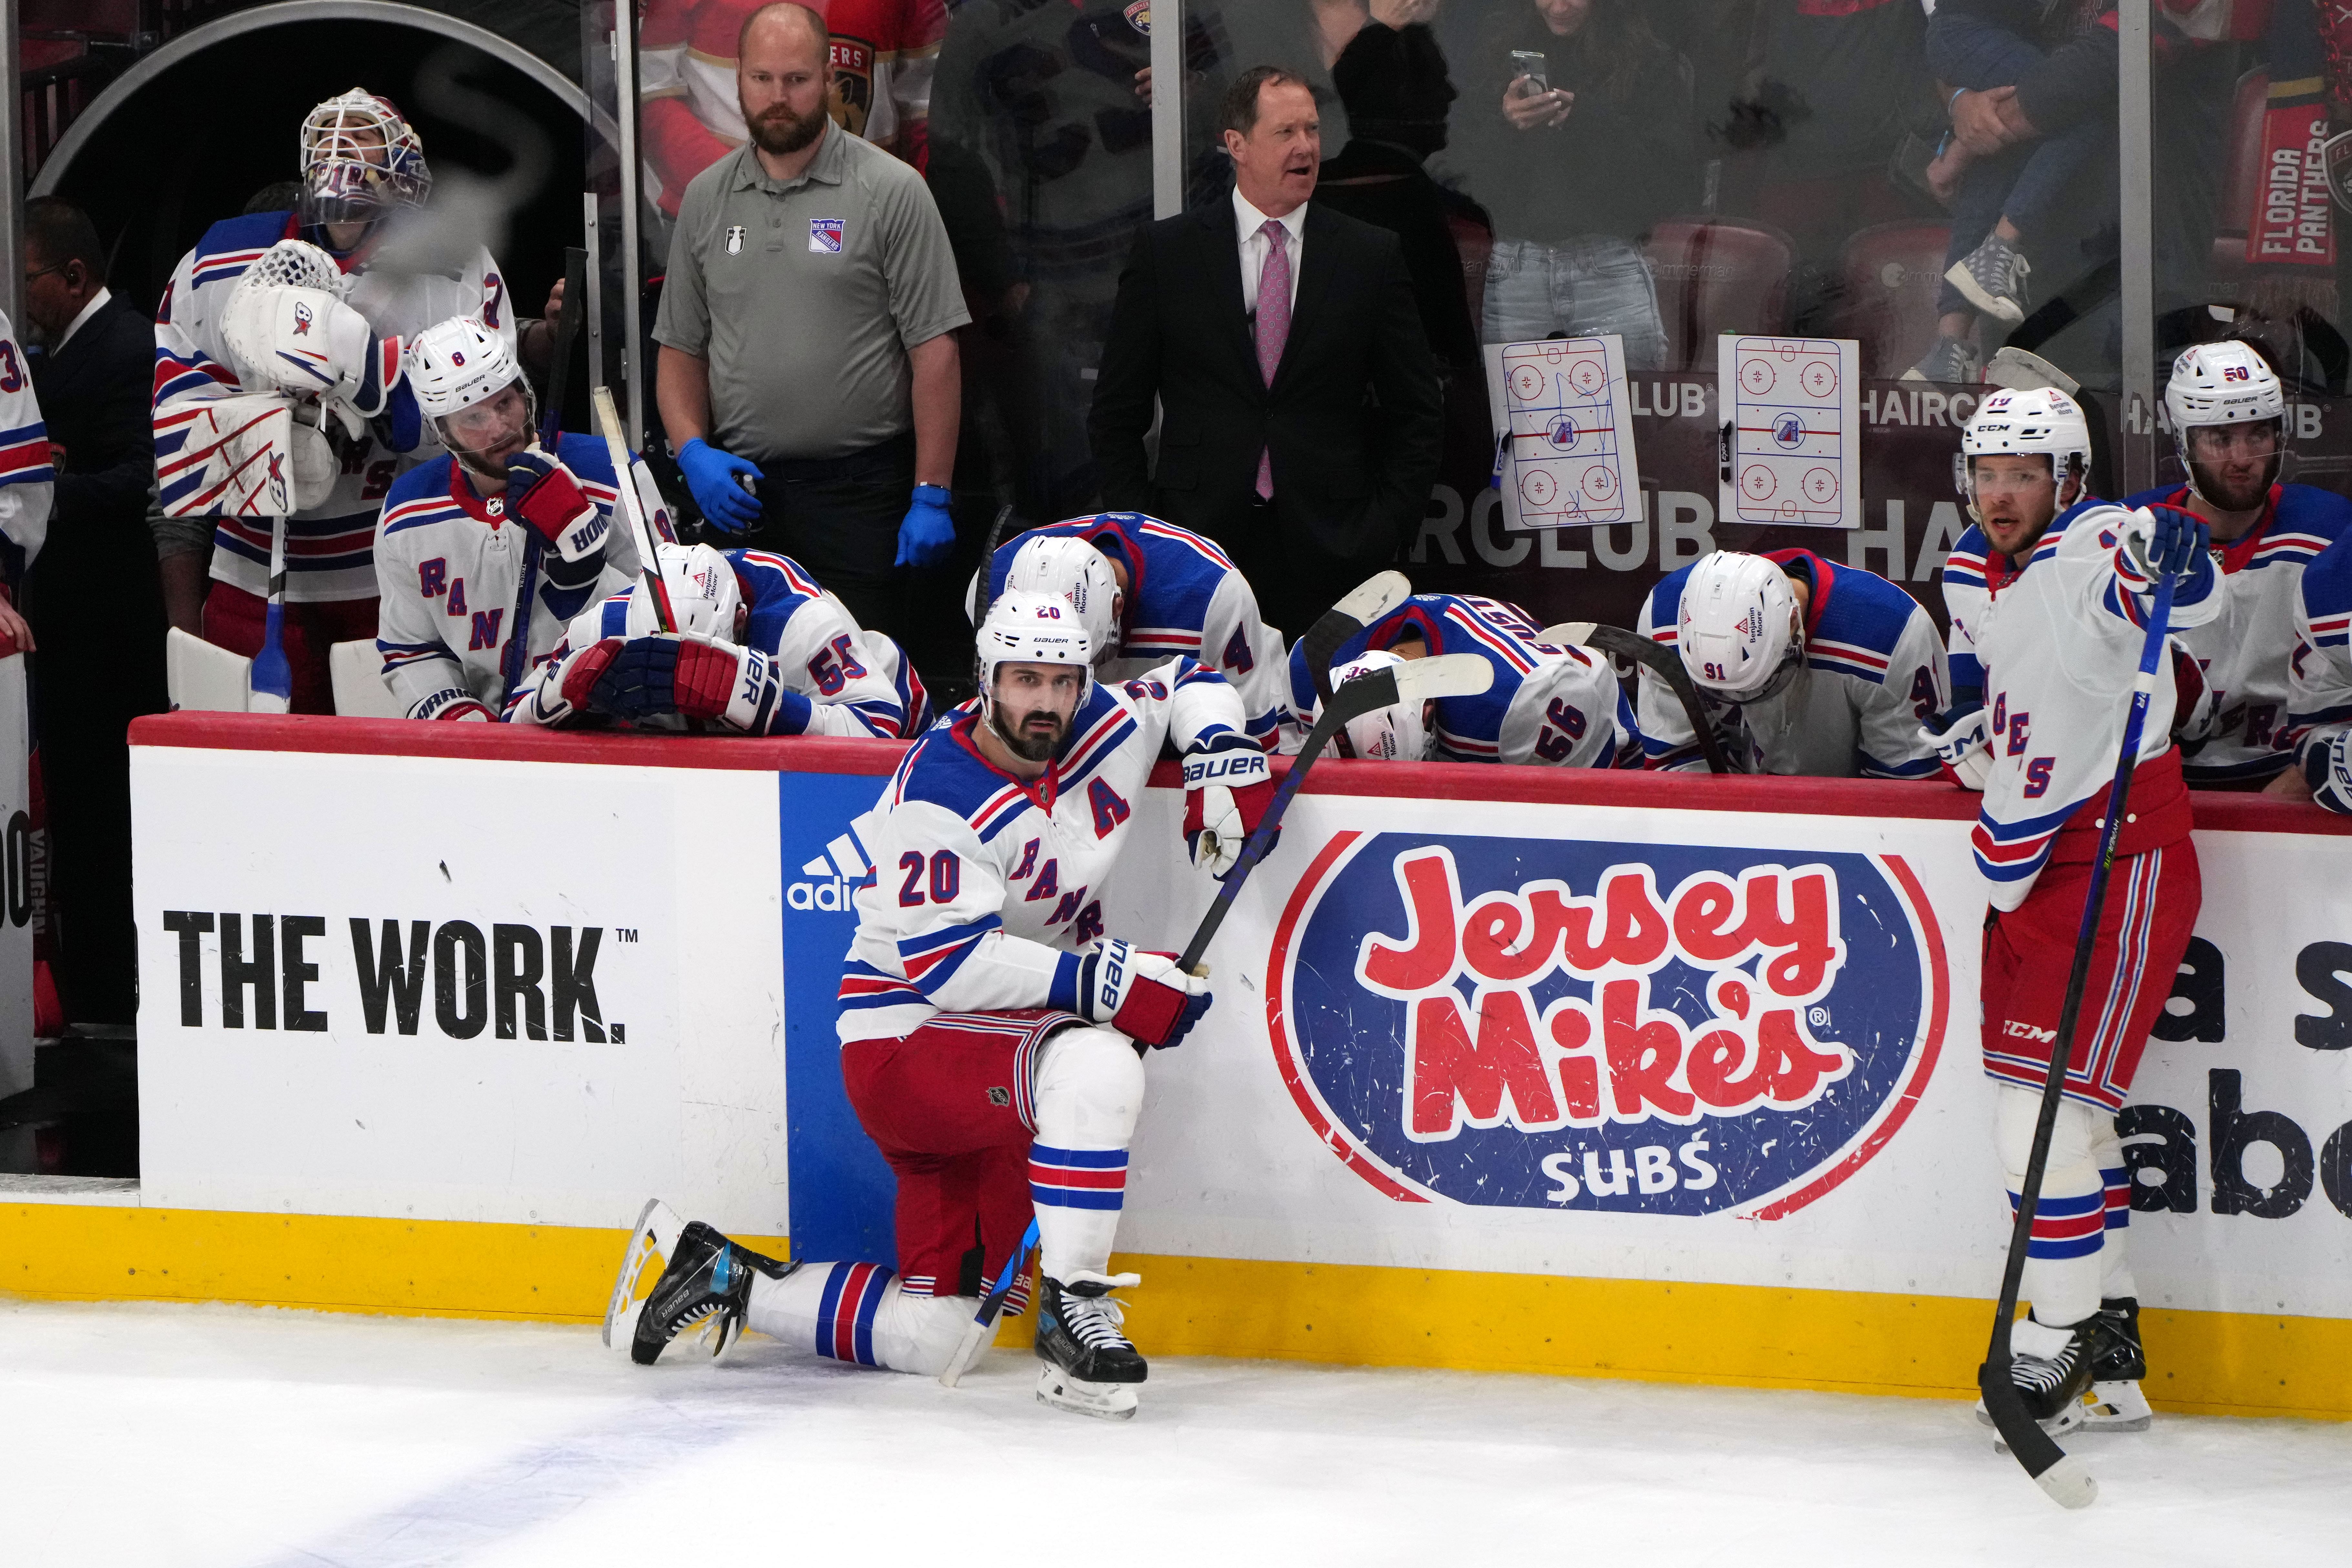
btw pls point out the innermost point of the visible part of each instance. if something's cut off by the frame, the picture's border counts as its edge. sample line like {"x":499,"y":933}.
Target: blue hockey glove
{"x":926,"y":537}
{"x":711,"y":475}
{"x":2165,"y":540}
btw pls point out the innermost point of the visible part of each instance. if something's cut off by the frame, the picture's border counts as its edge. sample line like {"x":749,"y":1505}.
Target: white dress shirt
{"x":97,"y":302}
{"x":1249,"y":221}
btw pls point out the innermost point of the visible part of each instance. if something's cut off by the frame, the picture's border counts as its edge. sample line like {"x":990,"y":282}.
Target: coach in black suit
{"x":94,"y":598}
{"x":1300,"y":426}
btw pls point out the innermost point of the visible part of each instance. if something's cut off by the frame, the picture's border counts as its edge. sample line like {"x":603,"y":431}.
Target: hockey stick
{"x":608,"y":421}
{"x":1358,"y":608}
{"x":1635,"y":648}
{"x":1413,"y":681}
{"x":559,"y":370}
{"x":992,"y":1307}
{"x":273,"y":677}
{"x":2053,"y":1470}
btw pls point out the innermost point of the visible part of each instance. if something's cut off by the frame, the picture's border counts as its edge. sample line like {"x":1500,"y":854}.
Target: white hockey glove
{"x":1141,"y":994}
{"x":2327,"y":768}
{"x":308,"y":340}
{"x":1963,"y":740}
{"x":1227,"y":789}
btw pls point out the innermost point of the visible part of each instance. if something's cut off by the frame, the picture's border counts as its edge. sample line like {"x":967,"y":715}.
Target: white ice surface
{"x":218,"y":1435}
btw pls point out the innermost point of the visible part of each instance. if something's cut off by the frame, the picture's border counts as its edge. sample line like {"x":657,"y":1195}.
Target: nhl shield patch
{"x":824,"y":235}
{"x":735,"y":239}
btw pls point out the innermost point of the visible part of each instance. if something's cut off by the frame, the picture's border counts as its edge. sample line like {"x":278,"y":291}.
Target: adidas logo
{"x":834,"y":875}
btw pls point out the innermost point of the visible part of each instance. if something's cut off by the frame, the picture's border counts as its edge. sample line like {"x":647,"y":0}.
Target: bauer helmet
{"x":2226,"y":383}
{"x":2040,"y":421}
{"x":1738,"y":632}
{"x":1075,"y":570}
{"x":704,"y":596}
{"x":359,"y":160}
{"x":457,"y":364}
{"x":1024,"y":626}
{"x":1399,"y":732}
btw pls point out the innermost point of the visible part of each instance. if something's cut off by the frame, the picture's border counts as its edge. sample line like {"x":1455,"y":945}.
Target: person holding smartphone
{"x":1583,"y":142}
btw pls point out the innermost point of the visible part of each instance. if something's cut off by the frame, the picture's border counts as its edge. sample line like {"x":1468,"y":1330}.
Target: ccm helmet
{"x":1396,"y":733}
{"x":1024,"y":626}
{"x":1738,"y":632}
{"x":1075,"y":570}
{"x":2224,"y":384}
{"x":2040,"y":421}
{"x":703,"y":594}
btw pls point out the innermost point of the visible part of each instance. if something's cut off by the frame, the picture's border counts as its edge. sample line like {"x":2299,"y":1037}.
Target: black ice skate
{"x":707,"y":1287}
{"x":2118,"y":1364}
{"x":1091,"y":1367}
{"x":2053,"y":1386}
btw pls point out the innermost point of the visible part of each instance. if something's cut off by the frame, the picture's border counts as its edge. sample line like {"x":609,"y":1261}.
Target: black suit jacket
{"x":1351,"y":418}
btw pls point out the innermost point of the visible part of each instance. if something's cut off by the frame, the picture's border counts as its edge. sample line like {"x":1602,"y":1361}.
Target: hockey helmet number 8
{"x":703,"y":594}
{"x":459,"y":364}
{"x":2039,"y":422}
{"x":1737,"y":636}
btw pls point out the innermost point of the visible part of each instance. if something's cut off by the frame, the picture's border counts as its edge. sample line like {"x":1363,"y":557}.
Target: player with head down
{"x":1799,"y":665}
{"x":1149,"y":592}
{"x":991,"y":1028}
{"x":758,"y":648}
{"x":279,"y":390}
{"x":1552,"y":704}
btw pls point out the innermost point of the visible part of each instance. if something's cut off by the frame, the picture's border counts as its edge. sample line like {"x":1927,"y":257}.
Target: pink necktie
{"x":1273,"y":329}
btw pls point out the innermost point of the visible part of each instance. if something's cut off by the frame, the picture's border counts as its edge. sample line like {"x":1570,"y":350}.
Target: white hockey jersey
{"x":858,"y":683}
{"x":472,"y":605}
{"x":1551,"y":703}
{"x":987,"y":888}
{"x":2320,"y":674}
{"x":2060,"y":643}
{"x":1873,"y":670}
{"x":27,"y":479}
{"x":1184,"y":597}
{"x":328,"y":548}
{"x":2246,"y":648}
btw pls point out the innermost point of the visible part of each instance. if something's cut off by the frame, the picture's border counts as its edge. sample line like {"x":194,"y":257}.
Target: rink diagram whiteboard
{"x":1564,"y":431}
{"x":1792,"y":451}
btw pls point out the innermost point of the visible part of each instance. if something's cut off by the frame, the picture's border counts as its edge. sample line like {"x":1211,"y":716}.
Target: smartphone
{"x":1530,"y":64}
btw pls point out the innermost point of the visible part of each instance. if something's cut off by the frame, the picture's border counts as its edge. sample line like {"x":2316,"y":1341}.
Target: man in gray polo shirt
{"x":808,"y":375}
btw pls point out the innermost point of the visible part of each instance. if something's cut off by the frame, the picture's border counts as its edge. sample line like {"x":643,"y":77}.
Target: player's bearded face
{"x":1032,"y":706}
{"x":2234,"y":462}
{"x":485,"y":436}
{"x":2016,"y":498}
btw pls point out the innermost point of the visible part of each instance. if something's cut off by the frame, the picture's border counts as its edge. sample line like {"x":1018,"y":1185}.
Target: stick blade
{"x":2069,"y":1483}
{"x":2019,"y":369}
{"x":1373,"y":597}
{"x":967,"y":1352}
{"x":1443,"y":675}
{"x":1577,"y":632}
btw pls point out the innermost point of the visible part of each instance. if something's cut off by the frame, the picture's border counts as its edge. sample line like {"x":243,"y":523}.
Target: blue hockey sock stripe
{"x":1077,"y":1178}
{"x":845,"y":1316}
{"x":2066,"y":1227}
{"x":2118,"y":1197}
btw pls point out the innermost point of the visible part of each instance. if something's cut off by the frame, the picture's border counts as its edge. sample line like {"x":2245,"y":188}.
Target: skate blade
{"x":2057,"y":1426}
{"x":1104,"y":1401}
{"x":656,"y":1233}
{"x":2117,"y":1406}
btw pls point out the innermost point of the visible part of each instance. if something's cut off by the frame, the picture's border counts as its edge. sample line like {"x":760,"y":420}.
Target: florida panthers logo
{"x":1550,"y":1024}
{"x":301,"y":319}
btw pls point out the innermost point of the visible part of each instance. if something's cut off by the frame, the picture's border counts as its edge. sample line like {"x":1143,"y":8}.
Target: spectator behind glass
{"x":1394,"y":82}
{"x":1576,"y":168}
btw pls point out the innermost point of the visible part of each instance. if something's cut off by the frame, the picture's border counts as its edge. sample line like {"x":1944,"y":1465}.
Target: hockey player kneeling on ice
{"x":1552,"y":704}
{"x":991,"y":1028}
{"x":1803,"y":667}
{"x":760,"y":650}
{"x":483,"y":555}
{"x":2059,"y":633}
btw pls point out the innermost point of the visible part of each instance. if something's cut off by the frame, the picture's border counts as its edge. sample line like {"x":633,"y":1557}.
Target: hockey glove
{"x":2165,"y":540}
{"x":2328,"y":769}
{"x":1227,"y":789}
{"x":712,"y":476}
{"x":2195,"y":704}
{"x":1963,"y":742}
{"x":1141,"y":994}
{"x":582,"y":671}
{"x":546,"y":495}
{"x":926,"y":535}
{"x":308,"y":340}
{"x":692,"y":677}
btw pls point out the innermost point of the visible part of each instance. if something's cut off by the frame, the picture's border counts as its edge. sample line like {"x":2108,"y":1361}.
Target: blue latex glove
{"x":926,"y":537}
{"x":711,"y":476}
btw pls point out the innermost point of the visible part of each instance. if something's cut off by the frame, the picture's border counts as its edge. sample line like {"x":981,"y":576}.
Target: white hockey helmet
{"x":360,"y":159}
{"x":2226,"y":383}
{"x":1074,"y":569}
{"x":703,"y":594}
{"x":454,"y":364}
{"x":1024,"y":626}
{"x":1738,"y":632}
{"x":2038,"y":421}
{"x":1397,"y":733}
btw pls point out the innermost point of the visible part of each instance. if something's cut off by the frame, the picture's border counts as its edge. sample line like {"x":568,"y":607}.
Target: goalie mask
{"x":460,"y":374}
{"x":1074,"y":570}
{"x":2225,"y":384}
{"x":2041,"y":421}
{"x":1399,"y":732}
{"x":359,"y":160}
{"x":704,"y":596}
{"x":1738,"y":632}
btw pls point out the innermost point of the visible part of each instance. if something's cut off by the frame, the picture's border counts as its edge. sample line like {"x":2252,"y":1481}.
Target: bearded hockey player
{"x":990,"y":1026}
{"x":1803,"y":667}
{"x":1551,"y":703}
{"x":277,"y":384}
{"x":759,"y":649}
{"x":1149,"y":590}
{"x":2228,"y":414}
{"x":484,"y":553}
{"x":2058,"y":636}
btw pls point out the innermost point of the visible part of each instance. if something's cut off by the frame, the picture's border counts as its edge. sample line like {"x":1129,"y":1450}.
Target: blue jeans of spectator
{"x":2028,"y":184}
{"x":1593,"y":283}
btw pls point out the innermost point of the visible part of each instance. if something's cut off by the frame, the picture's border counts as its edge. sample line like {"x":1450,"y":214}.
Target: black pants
{"x":839,"y":516}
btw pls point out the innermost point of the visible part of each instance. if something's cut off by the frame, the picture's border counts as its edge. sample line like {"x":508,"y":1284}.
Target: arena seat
{"x":1887,"y":278}
{"x":2241,"y":174}
{"x":1714,"y":276}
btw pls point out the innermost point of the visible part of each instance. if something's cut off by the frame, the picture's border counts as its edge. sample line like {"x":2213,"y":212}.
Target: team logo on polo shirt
{"x":824,"y":235}
{"x":735,"y":239}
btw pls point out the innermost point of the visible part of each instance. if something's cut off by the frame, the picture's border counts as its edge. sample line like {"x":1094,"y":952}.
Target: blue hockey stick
{"x":272,"y":679}
{"x":2053,"y":1470}
{"x":992,"y":1307}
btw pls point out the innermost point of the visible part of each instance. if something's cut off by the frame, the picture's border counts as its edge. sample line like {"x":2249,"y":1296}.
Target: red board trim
{"x":324,"y":734}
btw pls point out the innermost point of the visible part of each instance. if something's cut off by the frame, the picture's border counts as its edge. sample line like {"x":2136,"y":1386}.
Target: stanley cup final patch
{"x":824,"y":235}
{"x":735,"y":239}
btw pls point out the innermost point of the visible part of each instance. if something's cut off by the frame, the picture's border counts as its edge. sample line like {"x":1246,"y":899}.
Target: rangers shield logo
{"x":824,"y":235}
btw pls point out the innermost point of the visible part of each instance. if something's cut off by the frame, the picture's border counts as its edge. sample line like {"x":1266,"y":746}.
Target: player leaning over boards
{"x":989,"y":1026}
{"x":2056,"y":632}
{"x":1803,"y":668}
